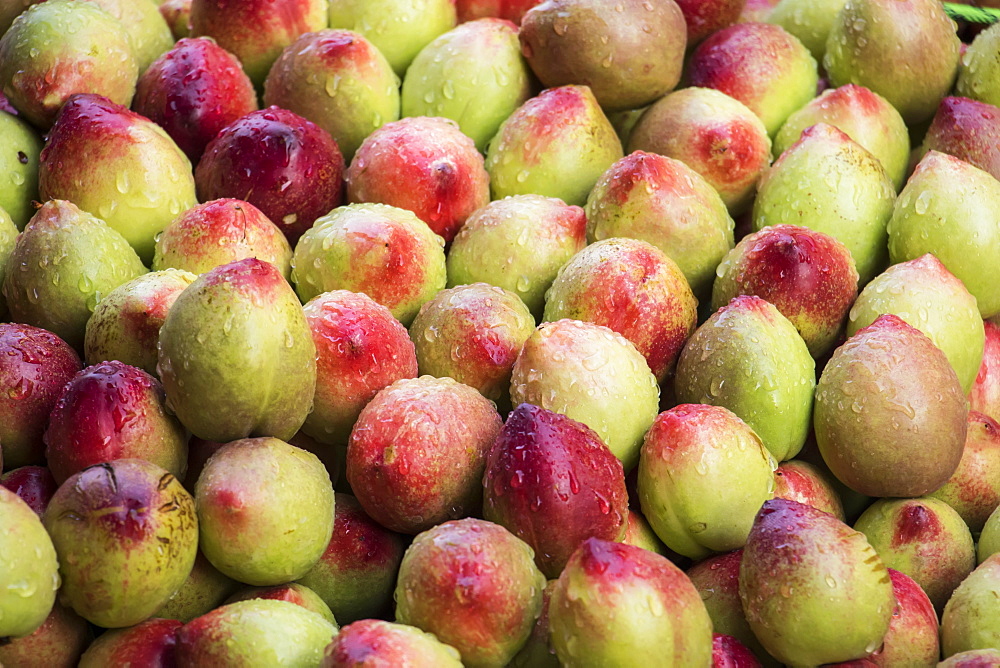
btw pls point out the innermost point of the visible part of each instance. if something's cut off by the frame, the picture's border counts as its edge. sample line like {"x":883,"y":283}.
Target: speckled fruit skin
{"x":233,"y":328}
{"x":126,"y":534}
{"x":360,"y":349}
{"x":418,"y":450}
{"x":924,"y":538}
{"x":862,"y":115}
{"x":959,"y":226}
{"x":912,"y":638}
{"x":929,"y":297}
{"x":704,"y":17}
{"x":293,"y":592}
{"x":803,"y":482}
{"x":472,"y":333}
{"x":974,"y":489}
{"x":792,"y":556}
{"x":54,"y":50}
{"x":633,"y":288}
{"x":890,"y":415}
{"x":256,"y":31}
{"x":538,"y":652}
{"x":285,"y":165}
{"x":620,"y":605}
{"x":19,"y":161}
{"x":749,"y":358}
{"x":373,"y":641}
{"x":492,"y":246}
{"x":265,"y":510}
{"x":593,"y":375}
{"x":257,"y":632}
{"x":424,"y":165}
{"x":150,"y":643}
{"x":969,"y":130}
{"x":113,"y":411}
{"x":546,"y":470}
{"x":57,"y":643}
{"x":126,"y":323}
{"x":628,"y":57}
{"x":869,"y":33}
{"x":971,"y":619}
{"x":34,"y":366}
{"x":357,"y":572}
{"x":474,"y":74}
{"x":30,"y":577}
{"x":34,"y":484}
{"x":985,"y":394}
{"x":696,"y":452}
{"x":193,"y":91}
{"x":475,"y":586}
{"x":809,"y":276}
{"x":557,"y":144}
{"x":219,"y":232}
{"x":666,"y":203}
{"x":716,"y":579}
{"x":204,"y":590}
{"x":63,"y":264}
{"x":135,"y":179}
{"x":339,"y":81}
{"x":399,"y":29}
{"x":761,"y":65}
{"x":830,"y":184}
{"x":383,"y":251}
{"x":978,"y":67}
{"x":713,"y":134}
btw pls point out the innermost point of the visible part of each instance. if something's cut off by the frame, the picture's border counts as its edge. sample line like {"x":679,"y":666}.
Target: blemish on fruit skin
{"x":915,"y":523}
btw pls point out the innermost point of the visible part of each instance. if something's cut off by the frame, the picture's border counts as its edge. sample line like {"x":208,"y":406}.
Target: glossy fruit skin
{"x":374,"y":640}
{"x":254,"y":31}
{"x":475,"y":586}
{"x":867,"y":436}
{"x":34,"y":365}
{"x":55,"y":50}
{"x":193,"y":91}
{"x":136,"y":178}
{"x":113,"y":411}
{"x":232,"y":328}
{"x":30,"y":578}
{"x":545,"y":469}
{"x":970,"y":618}
{"x":285,"y":165}
{"x":694,"y":452}
{"x":749,"y":358}
{"x":339,"y":81}
{"x":61,"y":266}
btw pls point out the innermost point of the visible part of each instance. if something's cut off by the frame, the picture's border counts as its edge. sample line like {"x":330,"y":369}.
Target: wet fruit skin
{"x":113,"y":411}
{"x":193,"y":91}
{"x":34,"y":366}
{"x":127,"y":536}
{"x":150,"y":643}
{"x":546,"y":470}
{"x":475,"y":586}
{"x":370,"y":641}
{"x":30,"y":578}
{"x":418,"y":450}
{"x":285,"y":165}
